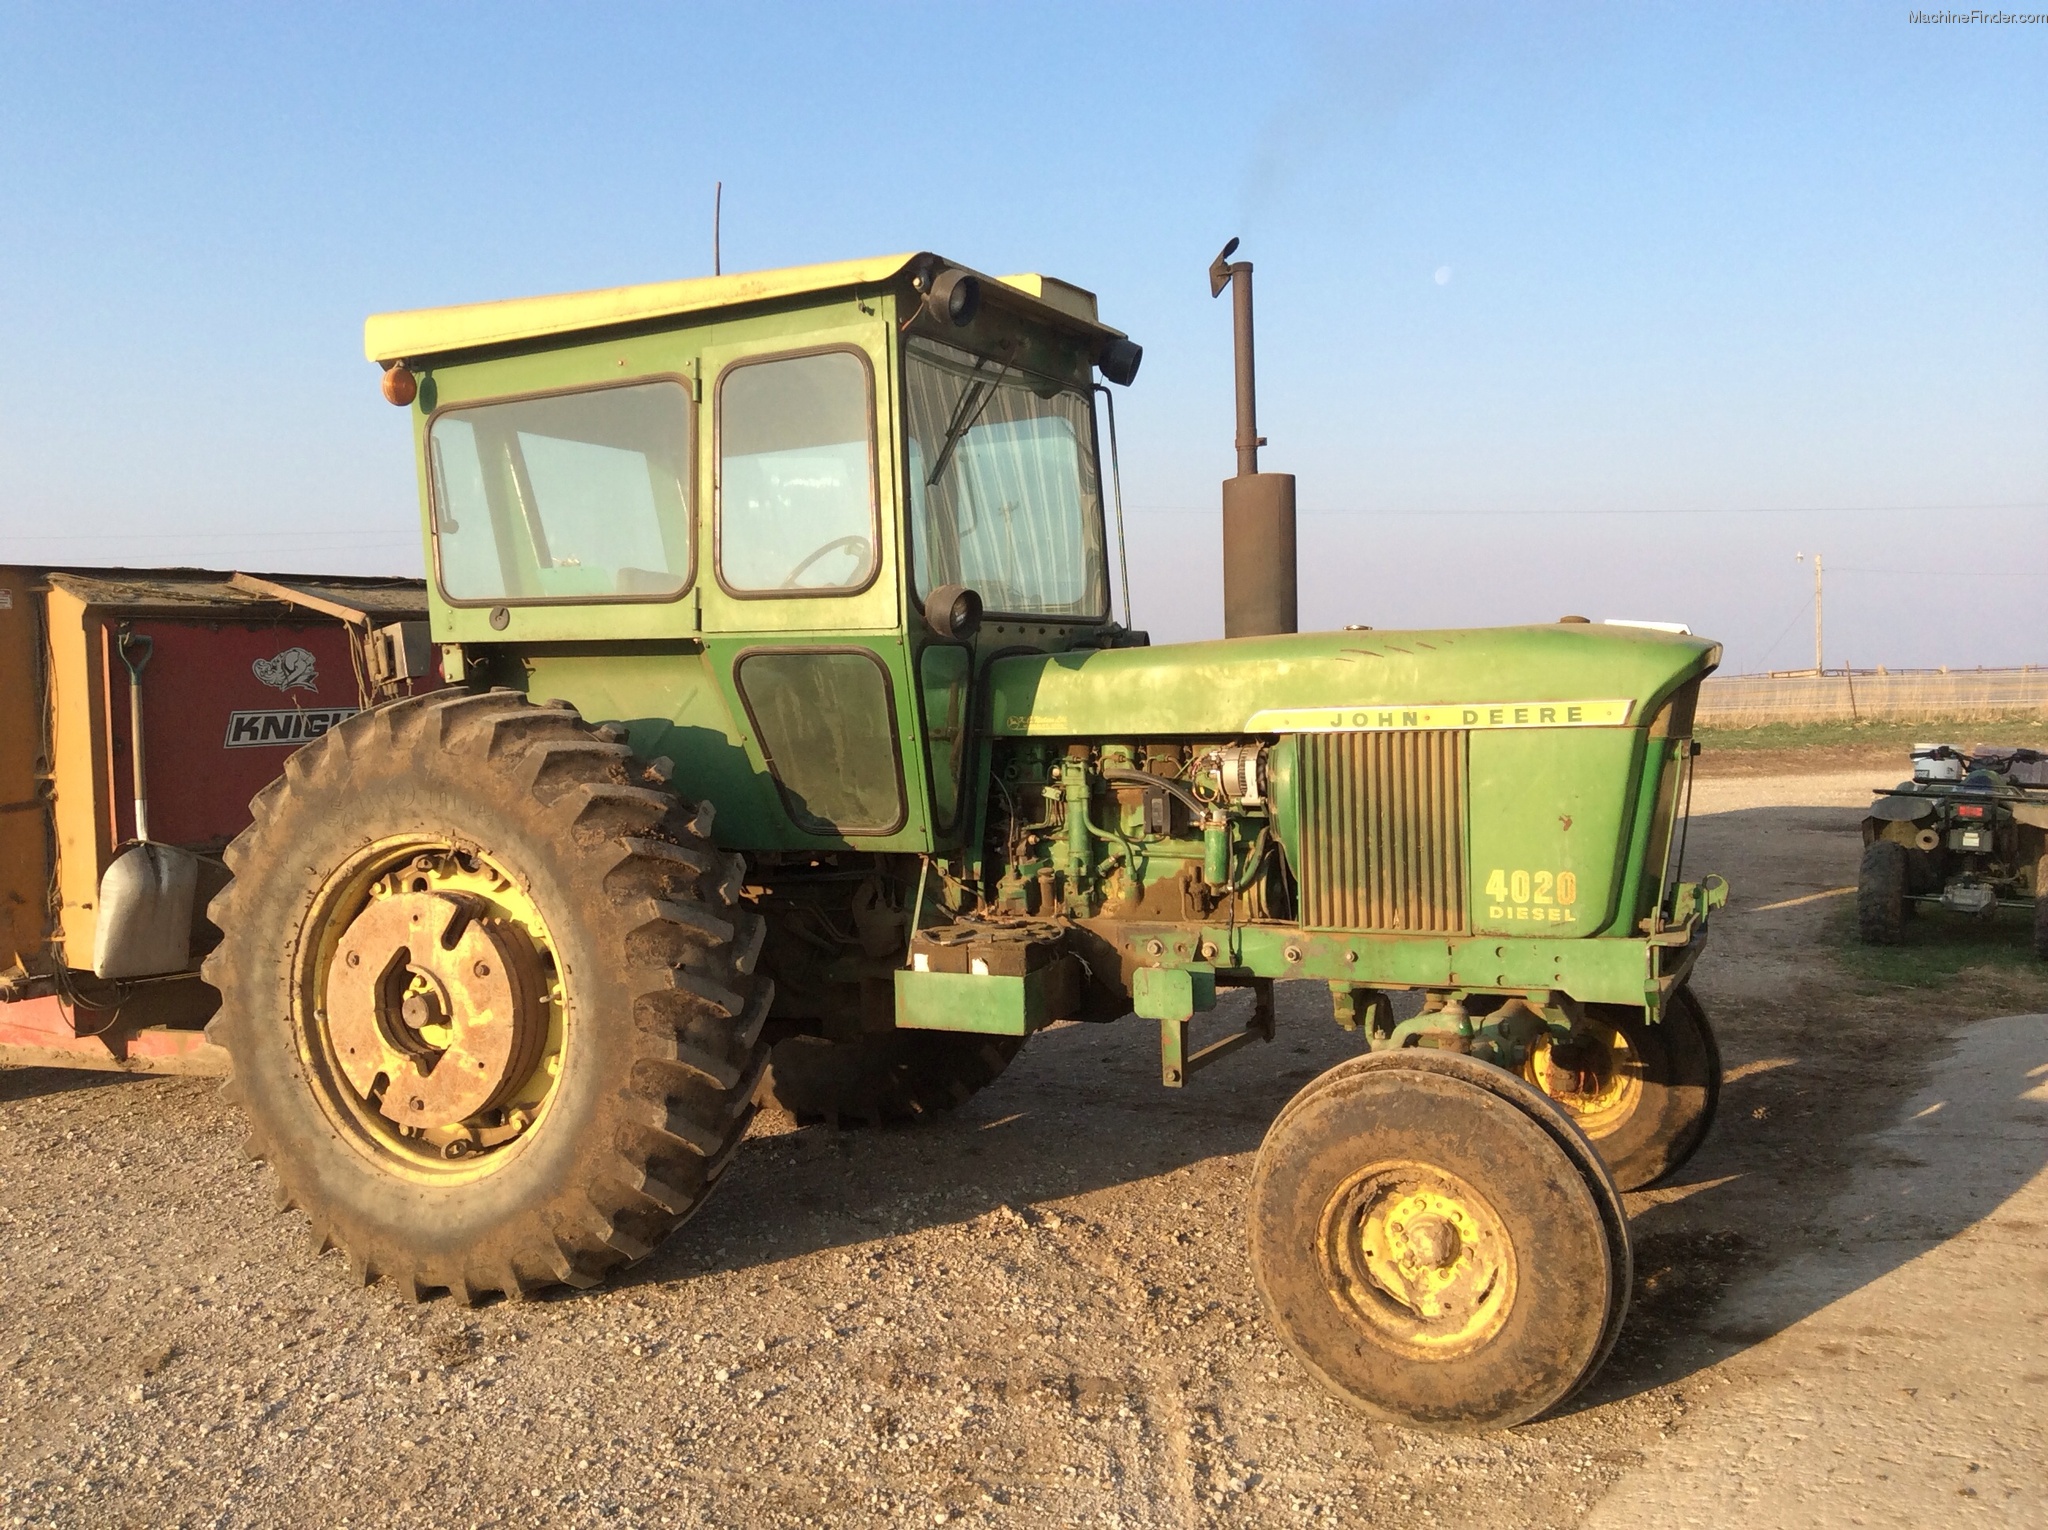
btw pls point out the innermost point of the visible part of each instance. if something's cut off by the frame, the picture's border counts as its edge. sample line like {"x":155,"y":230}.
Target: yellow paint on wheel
{"x":1596,"y":1077}
{"x":1418,"y":1259}
{"x":356,"y":1058}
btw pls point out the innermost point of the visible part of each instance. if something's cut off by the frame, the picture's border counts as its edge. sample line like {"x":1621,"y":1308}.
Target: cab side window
{"x":796,"y":475}
{"x":572,"y":496}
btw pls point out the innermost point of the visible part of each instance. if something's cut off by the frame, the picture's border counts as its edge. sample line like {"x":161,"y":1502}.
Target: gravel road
{"x":1036,"y":1311}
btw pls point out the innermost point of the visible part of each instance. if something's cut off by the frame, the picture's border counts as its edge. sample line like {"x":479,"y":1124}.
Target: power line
{"x":1702,"y":510}
{"x":1950,"y":573}
{"x":1804,"y":607}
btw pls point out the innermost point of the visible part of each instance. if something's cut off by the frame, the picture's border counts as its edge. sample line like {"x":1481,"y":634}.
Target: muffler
{"x":1258,"y":508}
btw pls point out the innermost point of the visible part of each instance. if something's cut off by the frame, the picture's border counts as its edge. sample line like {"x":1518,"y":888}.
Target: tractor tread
{"x":1881,"y":893}
{"x":683,"y":1044}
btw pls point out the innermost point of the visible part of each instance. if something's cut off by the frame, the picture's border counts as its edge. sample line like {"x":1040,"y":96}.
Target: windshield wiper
{"x":972,"y":402}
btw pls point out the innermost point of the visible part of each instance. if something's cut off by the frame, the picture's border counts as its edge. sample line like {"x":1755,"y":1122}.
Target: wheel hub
{"x":436,"y":1005}
{"x":1589,"y":1072}
{"x":1418,"y":1258}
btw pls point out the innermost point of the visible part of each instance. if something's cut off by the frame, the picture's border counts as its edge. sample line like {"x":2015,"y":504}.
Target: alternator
{"x":1241,"y":773}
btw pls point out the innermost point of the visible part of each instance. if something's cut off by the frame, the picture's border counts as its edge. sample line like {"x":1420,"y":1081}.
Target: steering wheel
{"x":853,"y":544}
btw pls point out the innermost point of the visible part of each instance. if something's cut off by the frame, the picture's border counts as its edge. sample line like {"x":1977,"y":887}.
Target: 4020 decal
{"x":1532,"y":894}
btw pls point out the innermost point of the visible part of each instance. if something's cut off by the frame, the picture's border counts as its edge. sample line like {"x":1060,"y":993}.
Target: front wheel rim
{"x":1418,"y":1259}
{"x":1595,"y":1077}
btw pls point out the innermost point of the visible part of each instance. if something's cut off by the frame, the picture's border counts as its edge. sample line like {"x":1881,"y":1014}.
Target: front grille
{"x":1383,"y":831}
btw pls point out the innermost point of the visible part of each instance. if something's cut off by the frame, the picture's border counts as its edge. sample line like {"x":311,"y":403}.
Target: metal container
{"x":1937,"y":762}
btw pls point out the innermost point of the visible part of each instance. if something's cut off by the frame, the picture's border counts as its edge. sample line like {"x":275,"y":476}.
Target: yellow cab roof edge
{"x":423,"y":332}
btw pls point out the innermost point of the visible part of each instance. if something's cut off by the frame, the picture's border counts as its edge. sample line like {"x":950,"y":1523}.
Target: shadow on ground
{"x":1822,"y":1050}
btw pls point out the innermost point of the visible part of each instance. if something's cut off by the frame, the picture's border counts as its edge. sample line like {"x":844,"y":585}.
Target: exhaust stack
{"x":1258,"y":508}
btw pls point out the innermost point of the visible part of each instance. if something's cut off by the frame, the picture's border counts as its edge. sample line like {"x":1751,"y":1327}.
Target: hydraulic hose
{"x":1172,"y":788}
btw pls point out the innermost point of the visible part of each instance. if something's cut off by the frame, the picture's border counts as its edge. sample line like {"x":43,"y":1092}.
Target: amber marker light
{"x":400,"y":386}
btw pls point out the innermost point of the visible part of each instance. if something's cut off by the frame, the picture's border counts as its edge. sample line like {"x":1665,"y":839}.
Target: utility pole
{"x":1818,"y":667}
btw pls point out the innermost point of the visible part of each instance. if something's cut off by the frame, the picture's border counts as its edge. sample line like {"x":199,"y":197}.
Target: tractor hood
{"x":1568,"y":675}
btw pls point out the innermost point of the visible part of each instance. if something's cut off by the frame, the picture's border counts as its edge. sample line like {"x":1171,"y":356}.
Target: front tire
{"x":1434,"y":1242}
{"x":488,"y":1000}
{"x":1644,"y":1094}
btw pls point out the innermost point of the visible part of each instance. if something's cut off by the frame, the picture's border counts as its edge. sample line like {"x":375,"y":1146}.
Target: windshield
{"x":1003,"y":490}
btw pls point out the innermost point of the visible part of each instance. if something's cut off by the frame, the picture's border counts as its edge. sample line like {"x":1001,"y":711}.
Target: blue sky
{"x":1562,"y":308}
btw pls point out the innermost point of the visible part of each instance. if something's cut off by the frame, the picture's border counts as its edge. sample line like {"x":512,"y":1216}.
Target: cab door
{"x":803,"y":611}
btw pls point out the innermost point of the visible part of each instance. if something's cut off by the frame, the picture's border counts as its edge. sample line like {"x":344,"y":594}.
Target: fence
{"x":1748,"y":701}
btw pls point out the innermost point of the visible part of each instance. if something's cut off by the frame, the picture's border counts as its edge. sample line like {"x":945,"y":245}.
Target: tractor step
{"x":998,"y":979}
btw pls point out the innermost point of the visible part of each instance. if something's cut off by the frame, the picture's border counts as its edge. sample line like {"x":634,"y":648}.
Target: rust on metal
{"x":1259,"y":558}
{"x":438,"y":1008}
{"x":47,"y":1032}
{"x":1259,"y":563}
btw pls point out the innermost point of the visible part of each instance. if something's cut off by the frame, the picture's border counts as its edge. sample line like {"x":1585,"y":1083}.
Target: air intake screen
{"x":1383,"y":831}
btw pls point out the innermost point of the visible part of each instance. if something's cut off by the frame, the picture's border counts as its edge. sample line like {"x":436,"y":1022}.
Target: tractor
{"x":791,"y":750}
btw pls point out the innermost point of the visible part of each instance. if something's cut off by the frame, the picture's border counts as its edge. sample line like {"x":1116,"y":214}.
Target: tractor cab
{"x":802,"y":497}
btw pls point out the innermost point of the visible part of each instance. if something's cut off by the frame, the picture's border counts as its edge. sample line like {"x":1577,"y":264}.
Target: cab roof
{"x":391,"y":337}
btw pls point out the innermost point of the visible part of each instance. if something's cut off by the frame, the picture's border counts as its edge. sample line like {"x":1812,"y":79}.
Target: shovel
{"x":145,"y":923}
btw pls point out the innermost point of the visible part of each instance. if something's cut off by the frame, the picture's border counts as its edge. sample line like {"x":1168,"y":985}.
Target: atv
{"x":1968,"y":833}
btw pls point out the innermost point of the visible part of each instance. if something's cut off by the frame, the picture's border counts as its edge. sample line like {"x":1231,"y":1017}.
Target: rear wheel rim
{"x":430,"y":1008}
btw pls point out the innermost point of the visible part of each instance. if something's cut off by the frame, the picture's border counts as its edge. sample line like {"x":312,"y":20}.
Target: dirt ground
{"x":1035,"y":1311}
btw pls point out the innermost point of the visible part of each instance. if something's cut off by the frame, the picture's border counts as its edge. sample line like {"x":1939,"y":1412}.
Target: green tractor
{"x":789,"y":750}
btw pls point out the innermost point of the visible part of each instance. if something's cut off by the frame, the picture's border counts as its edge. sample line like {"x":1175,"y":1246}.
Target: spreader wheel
{"x":1436,"y":1242}
{"x":488,"y":998}
{"x":884,"y":1077}
{"x":1644,"y":1094}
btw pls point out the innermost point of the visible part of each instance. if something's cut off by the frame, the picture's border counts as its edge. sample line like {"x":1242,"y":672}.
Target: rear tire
{"x":1881,"y":894}
{"x":2041,"y":926}
{"x":1436,"y":1243}
{"x":639,"y":1025}
{"x":884,"y":1077}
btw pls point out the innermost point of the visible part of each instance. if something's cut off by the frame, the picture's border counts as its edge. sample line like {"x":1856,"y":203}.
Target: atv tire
{"x":1881,"y":893}
{"x":641,"y":969}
